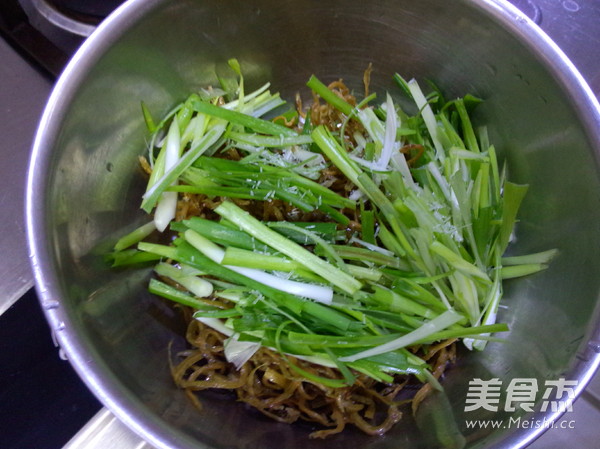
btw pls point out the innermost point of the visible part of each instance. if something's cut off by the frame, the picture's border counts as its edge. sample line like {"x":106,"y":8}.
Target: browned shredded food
{"x":266,"y":382}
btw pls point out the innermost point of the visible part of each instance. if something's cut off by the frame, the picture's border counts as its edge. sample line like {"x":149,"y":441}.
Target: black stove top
{"x":43,"y":403}
{"x":48,"y":32}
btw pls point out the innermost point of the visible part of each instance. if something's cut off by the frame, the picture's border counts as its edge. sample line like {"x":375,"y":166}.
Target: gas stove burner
{"x":85,"y":11}
{"x":66,"y":23}
{"x":51,"y":20}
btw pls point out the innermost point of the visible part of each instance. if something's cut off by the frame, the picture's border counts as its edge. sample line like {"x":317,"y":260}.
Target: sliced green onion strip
{"x":256,"y":124}
{"x":294,"y":251}
{"x":437,"y":324}
{"x":319,"y":293}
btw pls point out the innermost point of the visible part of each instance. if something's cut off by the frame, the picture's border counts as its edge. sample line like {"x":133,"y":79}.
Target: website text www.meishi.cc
{"x":519,"y":423}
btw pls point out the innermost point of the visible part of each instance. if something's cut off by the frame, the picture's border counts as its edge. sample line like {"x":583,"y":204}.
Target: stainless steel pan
{"x":84,"y":188}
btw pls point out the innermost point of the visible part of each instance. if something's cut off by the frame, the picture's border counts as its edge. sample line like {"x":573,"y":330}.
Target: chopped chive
{"x":326,"y":94}
{"x":148,"y":118}
{"x":129,"y":257}
{"x":198,"y":286}
{"x":437,"y":324}
{"x":367,"y":225}
{"x":456,"y":261}
{"x":515,"y":271}
{"x":135,"y":236}
{"x":513,"y":195}
{"x":270,"y":141}
{"x":256,"y":124}
{"x":166,"y":291}
{"x":543,"y":257}
{"x":251,"y":259}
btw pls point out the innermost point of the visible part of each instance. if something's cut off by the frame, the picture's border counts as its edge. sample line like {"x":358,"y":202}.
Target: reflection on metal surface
{"x":105,"y":431}
{"x":57,"y":18}
{"x":62,"y":31}
{"x":22,"y":97}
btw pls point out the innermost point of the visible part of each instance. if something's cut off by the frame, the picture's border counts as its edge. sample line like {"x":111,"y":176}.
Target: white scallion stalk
{"x":456,"y":261}
{"x":217,"y":325}
{"x":465,"y":292}
{"x":209,"y":249}
{"x":167,"y":205}
{"x":317,"y":360}
{"x":233,"y":296}
{"x":372,"y":124}
{"x":544,"y":257}
{"x":239,"y":352}
{"x":165,"y":210}
{"x":437,"y":324}
{"x":372,"y":247}
{"x":428,"y":117}
{"x":135,"y":236}
{"x":444,"y":185}
{"x":308,"y":157}
{"x":190,"y":271}
{"x":198,"y":286}
{"x":197,"y":128}
{"x":398,"y":161}
{"x":389,"y":140}
{"x":490,"y":310}
{"x":367,"y":274}
{"x":460,"y":153}
{"x":371,"y":165}
{"x":234,"y":103}
{"x":264,"y":107}
{"x":319,"y":293}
